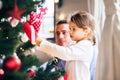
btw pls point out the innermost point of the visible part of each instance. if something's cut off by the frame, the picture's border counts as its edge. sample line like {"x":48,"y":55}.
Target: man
{"x":62,"y":37}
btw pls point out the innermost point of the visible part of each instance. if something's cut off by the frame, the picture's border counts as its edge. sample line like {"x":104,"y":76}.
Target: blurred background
{"x":13,"y":38}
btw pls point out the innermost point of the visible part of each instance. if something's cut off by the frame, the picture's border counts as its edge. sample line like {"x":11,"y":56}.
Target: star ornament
{"x":16,"y":13}
{"x":43,"y":10}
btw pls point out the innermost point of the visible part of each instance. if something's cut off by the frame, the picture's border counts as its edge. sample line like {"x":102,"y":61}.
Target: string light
{"x":61,"y":16}
{"x":56,"y":1}
{"x":0,"y":29}
{"x":21,"y":49}
{"x":6,"y":37}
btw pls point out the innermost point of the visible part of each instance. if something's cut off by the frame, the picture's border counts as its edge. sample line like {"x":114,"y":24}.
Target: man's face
{"x":62,"y":35}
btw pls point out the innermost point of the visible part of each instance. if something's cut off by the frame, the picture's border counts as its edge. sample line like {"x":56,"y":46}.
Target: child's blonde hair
{"x":83,"y":20}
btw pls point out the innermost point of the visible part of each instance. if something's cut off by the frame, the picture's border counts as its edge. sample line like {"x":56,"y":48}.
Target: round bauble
{"x":12,"y":63}
{"x":1,"y":72}
{"x":31,"y":73}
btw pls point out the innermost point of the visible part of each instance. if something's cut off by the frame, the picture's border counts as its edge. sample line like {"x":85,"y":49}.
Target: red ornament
{"x":12,"y":63}
{"x":43,"y":10}
{"x":1,"y":72}
{"x":35,"y":20}
{"x":32,"y":26}
{"x":16,"y":13}
{"x":31,"y":73}
{"x":30,"y":32}
{"x":65,"y":77}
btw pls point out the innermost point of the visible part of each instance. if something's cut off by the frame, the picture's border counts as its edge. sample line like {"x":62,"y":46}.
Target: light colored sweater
{"x":78,"y":57}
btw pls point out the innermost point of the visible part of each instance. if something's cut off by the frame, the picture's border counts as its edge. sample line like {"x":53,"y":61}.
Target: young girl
{"x":79,"y":55}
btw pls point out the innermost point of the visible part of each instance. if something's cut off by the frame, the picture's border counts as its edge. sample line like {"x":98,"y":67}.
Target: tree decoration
{"x":24,"y":37}
{"x":1,"y":73}
{"x":32,"y":26}
{"x":14,"y":22}
{"x":30,"y":32}
{"x":1,"y":4}
{"x":16,"y":13}
{"x":12,"y":63}
{"x":31,"y":73}
{"x":37,"y":18}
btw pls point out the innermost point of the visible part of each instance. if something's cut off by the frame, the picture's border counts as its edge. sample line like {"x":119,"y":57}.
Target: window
{"x":47,"y":27}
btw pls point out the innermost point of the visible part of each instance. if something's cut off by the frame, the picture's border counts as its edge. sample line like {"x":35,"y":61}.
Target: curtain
{"x":109,"y":42}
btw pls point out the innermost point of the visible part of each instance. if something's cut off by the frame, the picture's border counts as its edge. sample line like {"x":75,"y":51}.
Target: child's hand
{"x":38,"y":40}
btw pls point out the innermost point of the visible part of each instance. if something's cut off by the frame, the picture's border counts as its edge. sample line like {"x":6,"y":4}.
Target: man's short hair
{"x":62,"y":22}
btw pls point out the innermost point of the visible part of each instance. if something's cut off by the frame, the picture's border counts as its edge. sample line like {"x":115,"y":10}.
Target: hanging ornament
{"x":31,"y":73}
{"x":24,"y":37}
{"x":65,"y":77}
{"x":16,"y":13}
{"x":32,"y":26}
{"x":1,"y":4}
{"x":30,"y":32}
{"x":12,"y":63}
{"x":37,"y":18}
{"x":1,"y":74}
{"x":14,"y":22}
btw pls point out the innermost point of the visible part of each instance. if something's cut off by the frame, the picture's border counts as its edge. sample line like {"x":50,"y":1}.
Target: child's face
{"x":76,"y":33}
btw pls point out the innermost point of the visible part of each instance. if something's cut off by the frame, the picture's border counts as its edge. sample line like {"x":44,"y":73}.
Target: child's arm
{"x":81,"y":51}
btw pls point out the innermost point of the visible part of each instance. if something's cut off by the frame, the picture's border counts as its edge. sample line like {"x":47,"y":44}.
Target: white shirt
{"x":78,"y":57}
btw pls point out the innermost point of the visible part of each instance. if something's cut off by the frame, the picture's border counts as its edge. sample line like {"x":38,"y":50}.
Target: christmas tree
{"x":15,"y":64}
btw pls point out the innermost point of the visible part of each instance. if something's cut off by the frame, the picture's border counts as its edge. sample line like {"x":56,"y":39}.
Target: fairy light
{"x":6,"y":37}
{"x":61,"y":16}
{"x":56,"y":1}
{"x":21,"y":49}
